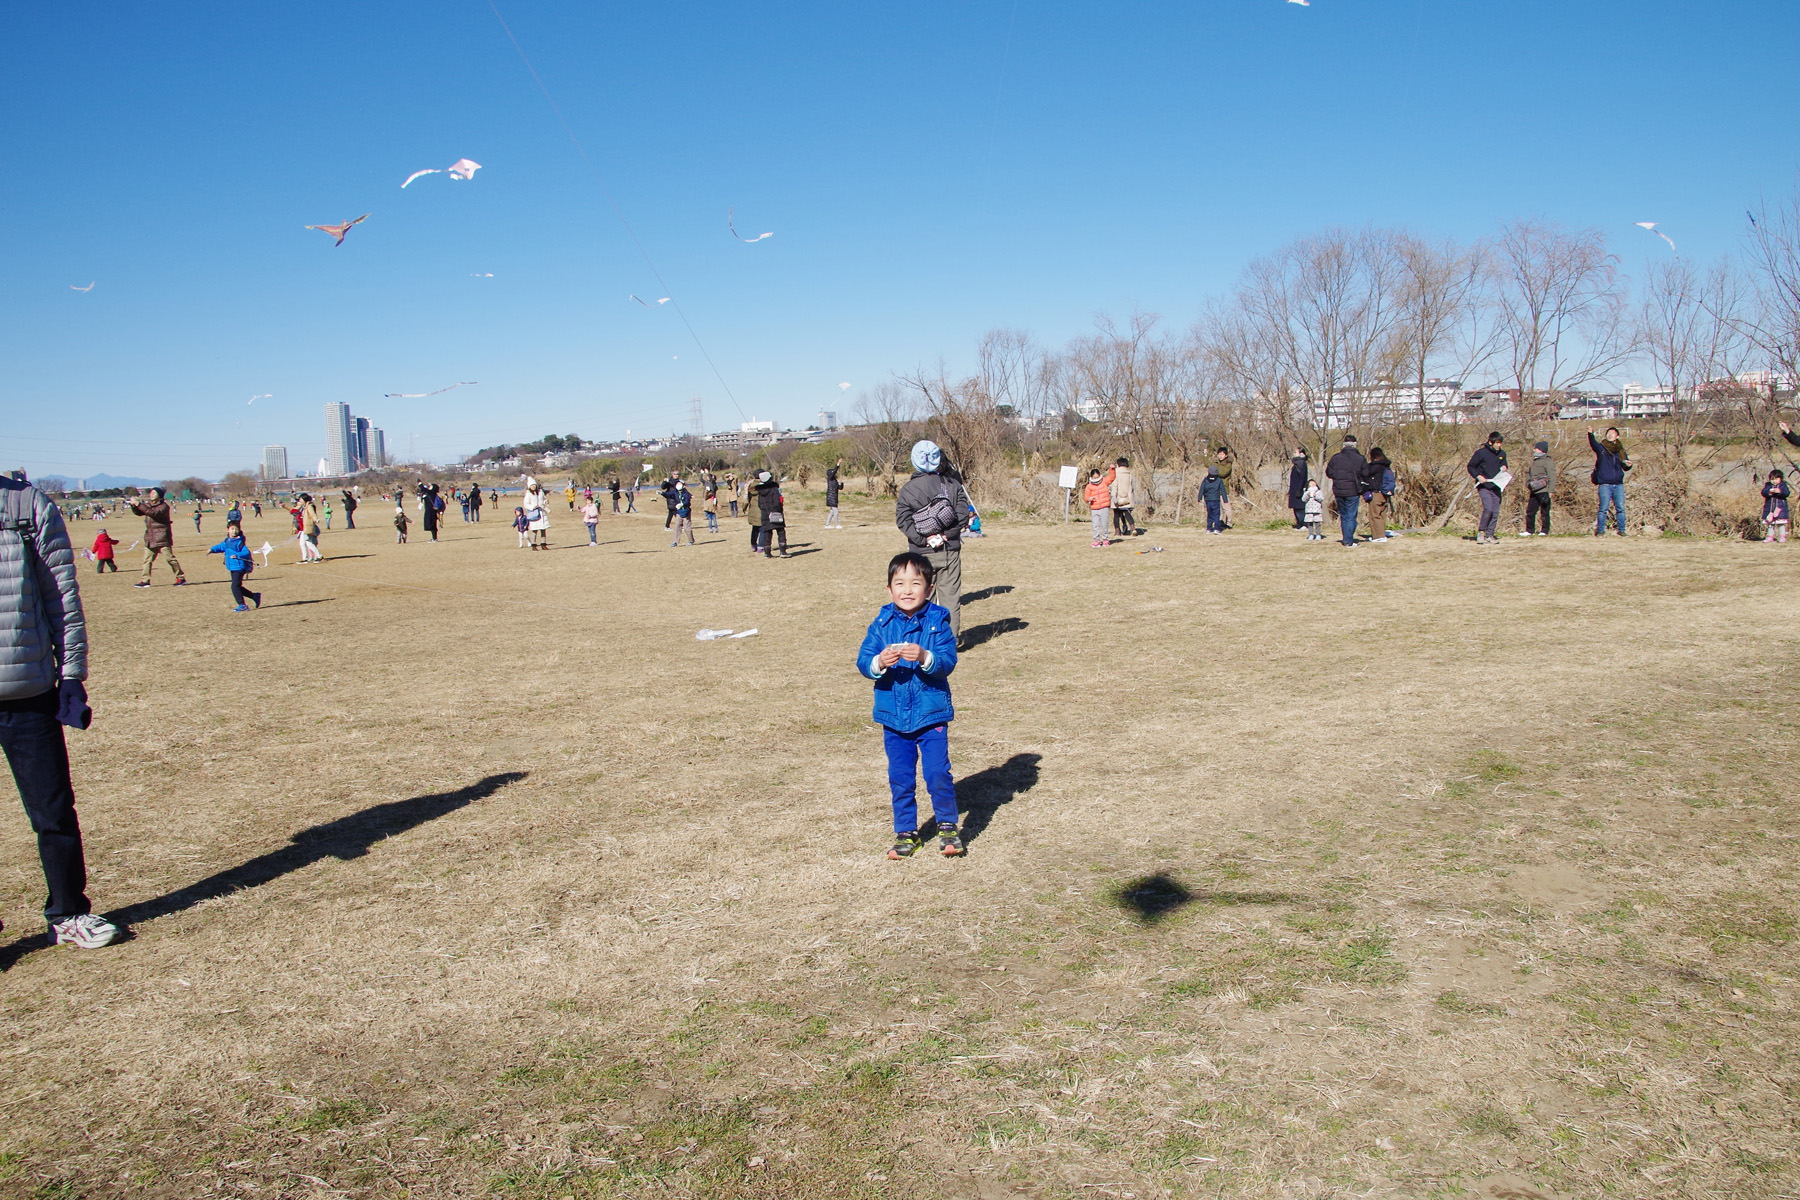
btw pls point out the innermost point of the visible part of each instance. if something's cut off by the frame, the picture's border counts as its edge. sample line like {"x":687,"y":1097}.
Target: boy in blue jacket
{"x":239,"y":563}
{"x":909,"y":652}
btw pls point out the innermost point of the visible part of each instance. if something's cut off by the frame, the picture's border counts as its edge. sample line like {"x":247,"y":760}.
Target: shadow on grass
{"x":345,"y":838}
{"x":980,"y":794}
{"x":298,"y":603}
{"x":980,"y":635}
{"x":999,"y":589}
{"x":1150,"y":898}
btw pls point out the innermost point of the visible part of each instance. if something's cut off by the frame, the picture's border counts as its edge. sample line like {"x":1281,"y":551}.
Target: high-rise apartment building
{"x":274,"y":464}
{"x":360,"y":430}
{"x":340,"y":439}
{"x":377,"y":447}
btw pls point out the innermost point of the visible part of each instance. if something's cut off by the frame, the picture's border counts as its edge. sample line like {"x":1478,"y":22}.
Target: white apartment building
{"x":1389,"y":403}
{"x":1640,"y":403}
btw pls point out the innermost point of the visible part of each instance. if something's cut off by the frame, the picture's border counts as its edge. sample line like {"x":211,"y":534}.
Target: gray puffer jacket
{"x":43,"y":636}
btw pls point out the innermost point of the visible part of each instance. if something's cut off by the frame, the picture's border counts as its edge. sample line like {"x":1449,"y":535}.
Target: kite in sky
{"x":261,"y":396}
{"x":481,"y":274}
{"x":462,"y":168}
{"x":844,"y":386}
{"x":1651,"y":226}
{"x":729,"y":214}
{"x":90,"y":287}
{"x":422,"y":395}
{"x":1747,"y":213}
{"x":1302,"y":4}
{"x":339,"y":231}
{"x":634,"y":296}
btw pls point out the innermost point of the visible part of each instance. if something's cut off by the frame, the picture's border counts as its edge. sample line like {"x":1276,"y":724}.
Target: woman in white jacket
{"x":537,"y":514}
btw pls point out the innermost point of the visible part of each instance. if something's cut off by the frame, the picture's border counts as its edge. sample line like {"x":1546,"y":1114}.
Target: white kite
{"x":645,"y":303}
{"x":844,"y":386}
{"x":339,"y":231}
{"x":88,"y":288}
{"x":1651,"y":226}
{"x":422,"y":395}
{"x":481,"y":274}
{"x":1301,"y":3}
{"x":261,"y":396}
{"x":462,"y":168}
{"x":265,"y":550}
{"x":729,"y":214}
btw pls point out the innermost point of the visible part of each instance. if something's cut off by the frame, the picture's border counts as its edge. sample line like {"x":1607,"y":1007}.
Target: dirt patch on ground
{"x":1414,"y":870}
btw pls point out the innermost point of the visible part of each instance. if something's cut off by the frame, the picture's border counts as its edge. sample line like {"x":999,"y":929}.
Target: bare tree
{"x":883,"y":433}
{"x":1561,"y":308}
{"x":1690,"y":326}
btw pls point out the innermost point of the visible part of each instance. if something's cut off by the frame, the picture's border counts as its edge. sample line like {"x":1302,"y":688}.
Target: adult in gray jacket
{"x":43,"y":660}
{"x":932,"y":510}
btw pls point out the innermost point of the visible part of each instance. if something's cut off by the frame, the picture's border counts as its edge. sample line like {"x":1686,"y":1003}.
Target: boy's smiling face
{"x":908,"y":590}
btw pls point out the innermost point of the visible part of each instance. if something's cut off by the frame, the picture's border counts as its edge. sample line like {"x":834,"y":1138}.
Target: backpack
{"x":938,"y":514}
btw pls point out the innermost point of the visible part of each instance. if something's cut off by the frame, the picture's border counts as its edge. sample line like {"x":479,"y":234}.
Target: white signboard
{"x":1068,"y":477}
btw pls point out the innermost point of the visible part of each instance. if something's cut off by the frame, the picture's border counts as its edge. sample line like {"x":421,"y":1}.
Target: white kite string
{"x":460,"y":595}
{"x":617,"y":211}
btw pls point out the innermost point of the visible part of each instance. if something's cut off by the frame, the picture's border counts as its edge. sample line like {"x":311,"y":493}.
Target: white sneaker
{"x":1526,"y":533}
{"x":86,"y":931}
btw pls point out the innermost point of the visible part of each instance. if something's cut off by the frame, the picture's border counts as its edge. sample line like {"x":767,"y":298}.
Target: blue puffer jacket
{"x":237,"y":554}
{"x":908,"y":696}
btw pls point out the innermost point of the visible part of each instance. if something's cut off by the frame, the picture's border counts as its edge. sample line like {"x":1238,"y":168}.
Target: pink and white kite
{"x":1651,"y":226}
{"x":462,"y":168}
{"x":339,"y":231}
{"x":88,"y":288}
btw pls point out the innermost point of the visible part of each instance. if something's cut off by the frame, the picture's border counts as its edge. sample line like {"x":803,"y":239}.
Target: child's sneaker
{"x":950,"y":843}
{"x":86,"y":931}
{"x":241,"y":608}
{"x":905,"y":845}
{"x":180,"y":581}
{"x":141,"y":583}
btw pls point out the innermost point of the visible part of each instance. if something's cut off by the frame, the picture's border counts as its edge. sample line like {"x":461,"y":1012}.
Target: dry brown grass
{"x":1320,"y":873}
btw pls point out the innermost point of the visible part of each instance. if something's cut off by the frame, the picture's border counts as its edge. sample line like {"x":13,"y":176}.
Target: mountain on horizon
{"x":101,"y":482}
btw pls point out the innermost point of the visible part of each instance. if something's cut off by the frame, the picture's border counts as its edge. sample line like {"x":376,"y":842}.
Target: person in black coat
{"x":475,"y":505}
{"x":1298,"y":477}
{"x":1486,"y":465}
{"x":1345,"y":470}
{"x":832,"y":487}
{"x":669,"y":498}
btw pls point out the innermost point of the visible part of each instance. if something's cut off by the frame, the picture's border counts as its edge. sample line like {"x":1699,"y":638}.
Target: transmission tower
{"x":696,"y":417}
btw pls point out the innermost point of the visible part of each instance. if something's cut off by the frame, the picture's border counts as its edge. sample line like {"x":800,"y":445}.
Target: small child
{"x":522,"y":525}
{"x":909,"y":652}
{"x":1312,"y":502}
{"x":328,"y":514}
{"x":400,"y":523}
{"x":1775,"y":507}
{"x":1099,"y":497}
{"x":239,"y":563}
{"x":103,"y":553}
{"x":684,"y":515}
{"x":590,"y":516}
{"x":710,"y":505}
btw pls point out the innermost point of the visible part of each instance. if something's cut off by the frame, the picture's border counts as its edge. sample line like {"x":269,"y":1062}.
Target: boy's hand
{"x":888,"y":657}
{"x":911,"y":651}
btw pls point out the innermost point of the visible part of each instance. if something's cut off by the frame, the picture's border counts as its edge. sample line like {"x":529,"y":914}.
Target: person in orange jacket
{"x":1099,"y":497}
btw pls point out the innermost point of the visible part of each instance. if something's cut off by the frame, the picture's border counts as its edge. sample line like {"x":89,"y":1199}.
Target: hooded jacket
{"x":1345,"y":472}
{"x":237,"y":553}
{"x":1299,"y":474}
{"x":910,"y":696}
{"x":1099,"y":493}
{"x":1124,"y":489}
{"x":158,"y":521}
{"x":1542,"y":476}
{"x":1212,"y":487}
{"x":831,"y":487}
{"x":43,"y":633}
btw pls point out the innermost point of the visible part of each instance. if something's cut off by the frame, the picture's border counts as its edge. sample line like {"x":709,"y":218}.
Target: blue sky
{"x":930,"y":171}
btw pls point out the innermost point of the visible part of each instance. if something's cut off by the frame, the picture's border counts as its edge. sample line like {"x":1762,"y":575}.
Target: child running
{"x":239,"y":563}
{"x":103,"y":553}
{"x":909,"y":652}
{"x":1775,"y":508}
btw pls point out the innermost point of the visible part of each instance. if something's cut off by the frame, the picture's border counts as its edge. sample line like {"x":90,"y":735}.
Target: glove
{"x":72,"y":706}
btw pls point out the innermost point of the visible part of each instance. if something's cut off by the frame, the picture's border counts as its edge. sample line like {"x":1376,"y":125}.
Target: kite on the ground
{"x":646,"y":304}
{"x":729,"y":214}
{"x":339,"y":231}
{"x":1651,"y":226}
{"x":422,"y":395}
{"x":462,"y":168}
{"x":88,"y":288}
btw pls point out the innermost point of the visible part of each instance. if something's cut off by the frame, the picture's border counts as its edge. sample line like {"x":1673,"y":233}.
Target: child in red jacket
{"x":103,"y":553}
{"x":1099,"y":497}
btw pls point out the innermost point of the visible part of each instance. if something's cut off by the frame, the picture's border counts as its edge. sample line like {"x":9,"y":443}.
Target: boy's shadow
{"x":980,"y":794}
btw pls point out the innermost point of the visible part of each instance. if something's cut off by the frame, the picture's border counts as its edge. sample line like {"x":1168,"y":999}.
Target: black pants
{"x":33,"y":742}
{"x":769,"y":533}
{"x":1122,"y":522}
{"x":349,"y":520}
{"x":1538,"y":503}
{"x":101,"y":565}
{"x":238,"y":591}
{"x":670,"y":519}
{"x":1299,"y":516}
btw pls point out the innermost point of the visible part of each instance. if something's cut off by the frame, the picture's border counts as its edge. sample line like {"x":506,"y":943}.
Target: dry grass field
{"x":1418,"y":870}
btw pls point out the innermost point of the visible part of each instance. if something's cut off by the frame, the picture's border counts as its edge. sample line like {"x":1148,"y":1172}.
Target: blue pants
{"x":1613,"y":493}
{"x":1347,"y":507}
{"x":1214,"y":522}
{"x":33,"y":743}
{"x":904,"y":750}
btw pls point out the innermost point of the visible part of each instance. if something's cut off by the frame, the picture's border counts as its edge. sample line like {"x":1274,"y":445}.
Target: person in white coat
{"x":537,"y":514}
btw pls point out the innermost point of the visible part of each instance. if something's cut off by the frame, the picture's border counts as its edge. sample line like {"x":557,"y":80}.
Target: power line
{"x":617,"y":211}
